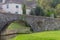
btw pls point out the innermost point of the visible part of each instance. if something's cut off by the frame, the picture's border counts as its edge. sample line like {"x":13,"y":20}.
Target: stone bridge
{"x":37,"y":23}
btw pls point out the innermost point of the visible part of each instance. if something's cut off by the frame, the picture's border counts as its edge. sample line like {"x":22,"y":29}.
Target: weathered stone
{"x":37,"y":23}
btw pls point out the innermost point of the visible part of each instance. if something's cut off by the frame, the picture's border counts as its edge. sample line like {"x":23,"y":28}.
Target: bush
{"x":38,"y":11}
{"x":51,"y":13}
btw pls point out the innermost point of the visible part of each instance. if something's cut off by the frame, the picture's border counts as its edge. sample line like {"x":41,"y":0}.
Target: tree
{"x":44,"y":3}
{"x":55,"y":3}
{"x":51,"y":3}
{"x":47,"y":7}
{"x":24,"y":9}
{"x":38,"y":11}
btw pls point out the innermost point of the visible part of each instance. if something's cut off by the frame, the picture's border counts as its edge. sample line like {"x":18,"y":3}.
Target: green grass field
{"x":48,"y":35}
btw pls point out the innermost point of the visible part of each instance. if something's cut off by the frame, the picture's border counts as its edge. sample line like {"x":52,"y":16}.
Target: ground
{"x":48,"y":35}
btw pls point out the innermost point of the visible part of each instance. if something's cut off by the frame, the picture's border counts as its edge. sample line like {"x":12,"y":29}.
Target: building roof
{"x":31,"y":3}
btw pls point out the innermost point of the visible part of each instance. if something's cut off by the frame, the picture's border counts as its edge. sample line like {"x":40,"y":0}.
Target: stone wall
{"x":37,"y":23}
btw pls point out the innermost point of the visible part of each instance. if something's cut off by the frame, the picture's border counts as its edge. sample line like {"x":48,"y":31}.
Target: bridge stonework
{"x":37,"y":23}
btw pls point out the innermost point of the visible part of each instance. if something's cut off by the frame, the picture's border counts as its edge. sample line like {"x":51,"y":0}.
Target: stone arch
{"x":5,"y":26}
{"x":8,"y":23}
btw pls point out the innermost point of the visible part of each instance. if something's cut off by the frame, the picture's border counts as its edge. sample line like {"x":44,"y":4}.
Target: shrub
{"x":38,"y":11}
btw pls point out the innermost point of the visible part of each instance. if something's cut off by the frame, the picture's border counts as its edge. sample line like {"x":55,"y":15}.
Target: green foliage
{"x":43,"y":6}
{"x":49,"y":7}
{"x":44,"y":3}
{"x":50,"y":3}
{"x":15,"y":25}
{"x":38,"y":11}
{"x":24,"y":9}
{"x":55,"y":3}
{"x":58,"y":9}
{"x":51,"y":13}
{"x":49,"y":35}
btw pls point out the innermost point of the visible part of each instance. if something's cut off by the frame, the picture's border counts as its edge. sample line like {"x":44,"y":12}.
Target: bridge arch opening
{"x":16,"y":26}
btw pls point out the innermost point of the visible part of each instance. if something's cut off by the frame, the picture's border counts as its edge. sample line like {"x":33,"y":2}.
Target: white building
{"x":12,"y":8}
{"x":2,"y":1}
{"x":28,"y":11}
{"x":15,"y":7}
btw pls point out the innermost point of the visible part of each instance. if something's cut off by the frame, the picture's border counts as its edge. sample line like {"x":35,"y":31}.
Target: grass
{"x":48,"y":35}
{"x":15,"y":25}
{"x":18,"y":27}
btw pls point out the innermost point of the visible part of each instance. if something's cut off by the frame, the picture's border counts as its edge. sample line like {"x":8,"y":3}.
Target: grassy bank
{"x":49,"y":35}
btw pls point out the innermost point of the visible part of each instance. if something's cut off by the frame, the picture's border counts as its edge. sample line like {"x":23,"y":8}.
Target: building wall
{"x":3,"y":1}
{"x":28,"y":11}
{"x":11,"y":7}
